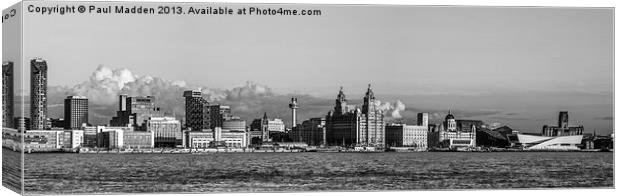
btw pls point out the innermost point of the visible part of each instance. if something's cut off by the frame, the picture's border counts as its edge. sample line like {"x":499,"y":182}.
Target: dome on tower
{"x":449,"y":116}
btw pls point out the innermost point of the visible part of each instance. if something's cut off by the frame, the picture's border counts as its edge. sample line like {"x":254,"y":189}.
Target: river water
{"x":257,"y":172}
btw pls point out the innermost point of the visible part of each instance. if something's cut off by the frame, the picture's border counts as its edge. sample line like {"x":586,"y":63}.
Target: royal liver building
{"x":351,"y":126}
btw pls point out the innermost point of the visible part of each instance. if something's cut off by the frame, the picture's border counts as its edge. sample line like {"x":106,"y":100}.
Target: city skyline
{"x":162,"y":97}
{"x":408,"y":114}
{"x":428,"y":58}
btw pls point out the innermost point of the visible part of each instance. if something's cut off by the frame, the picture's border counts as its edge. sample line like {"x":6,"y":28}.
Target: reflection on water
{"x":113,"y":173}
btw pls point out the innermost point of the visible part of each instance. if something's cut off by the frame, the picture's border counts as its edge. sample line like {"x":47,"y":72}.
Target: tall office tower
{"x":142,"y":108}
{"x":197,"y":111}
{"x":563,"y":119}
{"x":8,"y":95}
{"x":219,"y":114}
{"x":76,"y":112}
{"x":38,"y":93}
{"x":134,"y":111}
{"x":423,"y":119}
{"x":293,"y":105}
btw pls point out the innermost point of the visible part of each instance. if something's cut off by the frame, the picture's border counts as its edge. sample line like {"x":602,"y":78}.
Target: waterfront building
{"x":44,"y":140}
{"x":466,"y":125}
{"x":197,"y":111}
{"x":111,"y":139}
{"x":11,"y":138}
{"x":138,"y":139}
{"x":422,"y":119}
{"x":216,"y":138}
{"x":492,"y":138}
{"x":199,"y":139}
{"x":21,"y":123}
{"x":218,"y":114}
{"x":120,"y":138}
{"x":93,"y":137}
{"x":38,"y":93}
{"x":76,"y":112}
{"x":76,"y":137}
{"x":311,"y":132}
{"x":134,"y":111}
{"x":449,"y":135}
{"x":232,"y":139}
{"x":563,"y":128}
{"x":167,"y":131}
{"x":275,"y":125}
{"x":562,"y":136}
{"x":8,"y":95}
{"x":90,"y":137}
{"x":264,"y":127}
{"x":363,"y":127}
{"x":504,"y":130}
{"x":539,"y":142}
{"x":256,"y":135}
{"x":234,"y":124}
{"x":57,"y":123}
{"x":402,"y":135}
{"x":598,"y":142}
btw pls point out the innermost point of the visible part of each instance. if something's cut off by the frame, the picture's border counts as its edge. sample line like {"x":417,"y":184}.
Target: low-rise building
{"x":167,"y":131}
{"x":138,"y":139}
{"x":402,"y":135}
{"x":449,"y":135}
{"x":118,"y":138}
{"x":311,"y":132}
{"x":216,"y":138}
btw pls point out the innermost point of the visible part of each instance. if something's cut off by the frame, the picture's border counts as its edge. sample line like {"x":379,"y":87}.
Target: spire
{"x":449,"y":111}
{"x":369,"y":93}
{"x":265,"y":116}
{"x":369,"y":102}
{"x":341,"y":102}
{"x":341,"y":95}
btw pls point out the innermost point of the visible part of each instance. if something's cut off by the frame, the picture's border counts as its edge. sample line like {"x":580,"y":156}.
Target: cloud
{"x":248,"y":101}
{"x":391,"y":110}
{"x":106,"y":84}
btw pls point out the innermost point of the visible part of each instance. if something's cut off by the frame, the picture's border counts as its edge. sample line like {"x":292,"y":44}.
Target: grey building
{"x":311,"y":132}
{"x":363,"y":127}
{"x":563,"y":128}
{"x":234,"y":124}
{"x":197,"y":111}
{"x":166,"y":130}
{"x":134,"y":111}
{"x":76,"y":112}
{"x":218,"y":114}
{"x":8,"y":95}
{"x":38,"y":94}
{"x":21,"y":123}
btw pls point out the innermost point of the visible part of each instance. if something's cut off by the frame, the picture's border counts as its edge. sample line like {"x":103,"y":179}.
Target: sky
{"x":530,"y":61}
